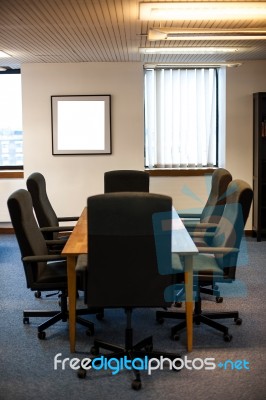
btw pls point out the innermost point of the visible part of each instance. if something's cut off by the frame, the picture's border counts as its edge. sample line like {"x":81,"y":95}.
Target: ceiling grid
{"x":61,"y":31}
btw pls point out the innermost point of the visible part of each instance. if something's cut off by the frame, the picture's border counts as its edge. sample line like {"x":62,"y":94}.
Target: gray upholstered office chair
{"x":126,"y":181}
{"x":47,"y":219}
{"x":208,"y":219}
{"x":122,"y":250}
{"x":217,"y":261}
{"x":213,"y":208}
{"x":43,"y":271}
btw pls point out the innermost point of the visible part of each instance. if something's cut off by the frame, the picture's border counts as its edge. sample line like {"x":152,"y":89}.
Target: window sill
{"x":180,"y":171}
{"x":11,"y":174}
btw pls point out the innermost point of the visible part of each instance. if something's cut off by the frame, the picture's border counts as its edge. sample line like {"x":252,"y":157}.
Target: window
{"x":11,"y":134}
{"x":183,"y":115}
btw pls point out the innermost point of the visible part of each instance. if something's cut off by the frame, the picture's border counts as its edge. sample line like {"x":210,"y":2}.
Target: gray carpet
{"x":27,"y":363}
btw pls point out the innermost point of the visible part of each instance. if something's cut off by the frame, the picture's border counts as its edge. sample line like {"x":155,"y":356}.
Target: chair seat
{"x":54,"y":272}
{"x":203,"y":263}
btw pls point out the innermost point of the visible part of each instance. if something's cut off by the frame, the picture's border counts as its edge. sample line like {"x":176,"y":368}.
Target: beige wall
{"x":71,"y":179}
{"x":242,"y":82}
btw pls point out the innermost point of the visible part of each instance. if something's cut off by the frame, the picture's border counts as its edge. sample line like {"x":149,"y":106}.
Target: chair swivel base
{"x":55,"y":317}
{"x":142,"y":349}
{"x":199,"y":317}
{"x":61,"y":315}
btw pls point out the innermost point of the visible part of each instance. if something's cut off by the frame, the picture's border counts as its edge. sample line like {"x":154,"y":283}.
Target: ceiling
{"x":62,"y":31}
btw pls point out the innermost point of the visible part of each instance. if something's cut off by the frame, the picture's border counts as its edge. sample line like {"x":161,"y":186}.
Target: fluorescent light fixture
{"x":189,"y":50}
{"x":205,"y":34}
{"x":3,"y":54}
{"x":193,"y":65}
{"x":201,"y":11}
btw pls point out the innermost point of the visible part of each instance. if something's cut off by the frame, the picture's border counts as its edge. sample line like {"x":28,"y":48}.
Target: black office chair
{"x":126,"y":181}
{"x":217,"y":261}
{"x":47,"y":219}
{"x":43,"y":271}
{"x":208,"y":219}
{"x":122,"y":260}
{"x":213,"y":208}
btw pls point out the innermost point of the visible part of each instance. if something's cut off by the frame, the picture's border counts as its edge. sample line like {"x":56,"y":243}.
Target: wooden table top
{"x":77,"y":242}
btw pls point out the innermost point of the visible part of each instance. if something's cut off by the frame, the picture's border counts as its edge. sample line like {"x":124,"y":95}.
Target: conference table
{"x":77,"y":244}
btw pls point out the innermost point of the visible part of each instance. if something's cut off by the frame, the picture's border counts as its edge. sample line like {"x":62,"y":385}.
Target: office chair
{"x":213,"y":208}
{"x":126,"y":181}
{"x":43,"y":271}
{"x":217,"y":261}
{"x":47,"y":219}
{"x":208,"y":219}
{"x":122,"y":250}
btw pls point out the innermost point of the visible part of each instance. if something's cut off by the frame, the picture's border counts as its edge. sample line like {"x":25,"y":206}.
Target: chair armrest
{"x":44,"y":258}
{"x":203,"y":234}
{"x":218,"y":250}
{"x":56,"y":242}
{"x":189,"y":215}
{"x":57,"y":228}
{"x":62,"y":219}
{"x":200,"y":225}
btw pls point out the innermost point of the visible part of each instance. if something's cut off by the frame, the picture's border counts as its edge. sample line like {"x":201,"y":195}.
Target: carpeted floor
{"x":27,"y":363}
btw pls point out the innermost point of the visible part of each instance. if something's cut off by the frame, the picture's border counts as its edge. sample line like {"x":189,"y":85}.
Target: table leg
{"x":71,"y":282}
{"x":189,"y":300}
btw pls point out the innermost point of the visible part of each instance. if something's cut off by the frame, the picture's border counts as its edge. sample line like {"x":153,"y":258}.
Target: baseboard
{"x":6,"y":231}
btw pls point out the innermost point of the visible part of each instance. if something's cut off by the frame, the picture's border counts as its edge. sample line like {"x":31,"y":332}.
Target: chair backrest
{"x":44,"y":211}
{"x":214,"y":206}
{"x":231,"y":226}
{"x":126,"y":181}
{"x":122,"y":262}
{"x":29,"y":237}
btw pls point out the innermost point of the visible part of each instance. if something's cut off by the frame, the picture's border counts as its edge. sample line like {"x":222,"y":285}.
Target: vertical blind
{"x":181,"y":118}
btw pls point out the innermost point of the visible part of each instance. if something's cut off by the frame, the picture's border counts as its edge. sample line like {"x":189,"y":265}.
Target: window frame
{"x":185,"y":171}
{"x":11,"y":167}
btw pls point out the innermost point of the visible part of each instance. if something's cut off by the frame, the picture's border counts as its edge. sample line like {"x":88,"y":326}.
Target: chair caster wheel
{"x":100,"y":316}
{"x":90,"y":332}
{"x":82,"y":373}
{"x":177,"y":367}
{"x":149,"y":348}
{"x":160,"y":320}
{"x":94,"y":351}
{"x":238,"y":321}
{"x":175,"y":337}
{"x":26,"y":320}
{"x":41,"y":335}
{"x":136,"y":384}
{"x":38,"y":294}
{"x":219,"y":299}
{"x":227,"y":337}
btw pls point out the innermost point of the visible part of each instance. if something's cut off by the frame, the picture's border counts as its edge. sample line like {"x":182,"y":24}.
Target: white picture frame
{"x":81,"y":124}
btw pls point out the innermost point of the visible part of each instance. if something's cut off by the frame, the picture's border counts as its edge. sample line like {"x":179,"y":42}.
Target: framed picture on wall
{"x":81,"y":124}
